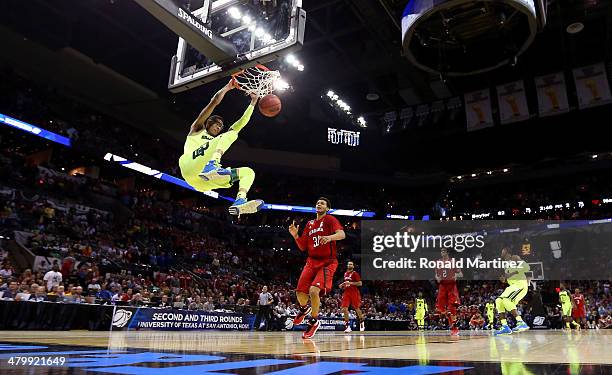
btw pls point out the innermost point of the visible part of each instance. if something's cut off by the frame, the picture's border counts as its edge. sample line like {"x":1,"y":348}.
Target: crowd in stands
{"x":98,"y":242}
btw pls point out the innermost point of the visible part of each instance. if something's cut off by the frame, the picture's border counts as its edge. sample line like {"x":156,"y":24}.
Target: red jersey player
{"x":319,"y":240}
{"x":351,"y":296}
{"x":448,"y":295}
{"x":579,"y":311}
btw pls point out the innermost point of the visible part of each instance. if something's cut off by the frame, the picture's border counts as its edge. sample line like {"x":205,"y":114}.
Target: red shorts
{"x":448,"y":298}
{"x":351,"y":298}
{"x":319,"y":273}
{"x":578,"y":313}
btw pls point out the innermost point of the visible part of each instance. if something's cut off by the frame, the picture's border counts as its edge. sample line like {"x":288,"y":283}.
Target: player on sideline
{"x":518,"y":286}
{"x":490,"y":310}
{"x":204,"y":147}
{"x":579,"y":311}
{"x":448,"y":295}
{"x":351,"y":296}
{"x":319,"y":240}
{"x":566,"y":307}
{"x":419,"y":311}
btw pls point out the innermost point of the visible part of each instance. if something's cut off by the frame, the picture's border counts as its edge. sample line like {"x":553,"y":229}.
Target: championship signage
{"x":552,"y":94}
{"x":179,"y":320}
{"x":512,"y":102}
{"x":540,"y":322}
{"x":592,"y":86}
{"x":478,"y":110}
{"x":330,"y":324}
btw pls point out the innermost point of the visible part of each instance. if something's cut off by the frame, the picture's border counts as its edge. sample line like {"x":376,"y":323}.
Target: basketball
{"x":270,"y":105}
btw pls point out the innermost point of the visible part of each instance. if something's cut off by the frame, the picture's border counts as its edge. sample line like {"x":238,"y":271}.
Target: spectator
{"x":12,"y":291}
{"x":196,"y":304}
{"x":164,"y":302}
{"x":53,"y":277}
{"x":40,"y":295}
{"x":6,"y":271}
{"x":209,"y":305}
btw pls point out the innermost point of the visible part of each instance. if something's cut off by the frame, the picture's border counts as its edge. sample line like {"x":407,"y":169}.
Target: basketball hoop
{"x":257,"y":80}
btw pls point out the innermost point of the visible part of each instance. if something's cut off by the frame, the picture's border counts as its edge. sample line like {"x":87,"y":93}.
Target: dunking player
{"x":204,"y":146}
{"x":566,"y":306}
{"x":448,"y":295}
{"x":419,"y":311}
{"x":518,"y":286}
{"x":319,"y":240}
{"x":579,"y":311}
{"x":351,"y":296}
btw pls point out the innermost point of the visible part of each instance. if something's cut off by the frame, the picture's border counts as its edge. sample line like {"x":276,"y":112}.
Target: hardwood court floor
{"x":285,"y":353}
{"x":590,"y":347}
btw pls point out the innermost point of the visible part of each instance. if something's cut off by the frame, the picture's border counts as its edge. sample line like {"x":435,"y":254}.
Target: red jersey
{"x":447,"y":275}
{"x":310,"y":241}
{"x":578,"y":301}
{"x":352,"y":276}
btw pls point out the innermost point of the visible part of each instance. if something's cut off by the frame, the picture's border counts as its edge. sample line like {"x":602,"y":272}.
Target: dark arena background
{"x":231,"y":186}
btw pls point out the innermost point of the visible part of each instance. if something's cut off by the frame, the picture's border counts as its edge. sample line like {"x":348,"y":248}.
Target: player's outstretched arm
{"x":246,"y":116}
{"x":300,"y":241}
{"x":199,"y":122}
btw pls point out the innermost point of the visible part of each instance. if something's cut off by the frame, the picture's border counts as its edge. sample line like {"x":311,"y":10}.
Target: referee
{"x":265,"y":308}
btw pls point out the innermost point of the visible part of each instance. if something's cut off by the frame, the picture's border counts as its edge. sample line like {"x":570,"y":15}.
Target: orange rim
{"x":241,"y":72}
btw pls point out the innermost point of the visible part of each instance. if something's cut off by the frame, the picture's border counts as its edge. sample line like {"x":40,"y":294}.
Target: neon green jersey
{"x":517,"y":273}
{"x":421,"y":305}
{"x":565,"y":297}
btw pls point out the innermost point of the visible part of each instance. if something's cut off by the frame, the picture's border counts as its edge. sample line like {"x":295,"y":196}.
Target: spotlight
{"x":234,"y":13}
{"x":246,"y":19}
{"x":594,"y":156}
{"x":330,"y":93}
{"x":300,"y":67}
{"x":290,"y":59}
{"x":281,"y":85}
{"x":259,"y":32}
{"x":505,"y":170}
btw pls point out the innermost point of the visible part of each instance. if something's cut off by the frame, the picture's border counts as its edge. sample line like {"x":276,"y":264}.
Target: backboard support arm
{"x":189,"y":27}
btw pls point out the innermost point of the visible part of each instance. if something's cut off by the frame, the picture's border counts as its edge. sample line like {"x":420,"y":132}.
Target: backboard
{"x":260,"y":30}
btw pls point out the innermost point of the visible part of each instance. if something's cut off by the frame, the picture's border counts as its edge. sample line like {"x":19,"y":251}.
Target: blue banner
{"x":179,"y":320}
{"x":32,"y":129}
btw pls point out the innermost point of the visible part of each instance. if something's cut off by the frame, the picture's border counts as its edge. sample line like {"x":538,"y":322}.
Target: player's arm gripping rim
{"x":199,"y":122}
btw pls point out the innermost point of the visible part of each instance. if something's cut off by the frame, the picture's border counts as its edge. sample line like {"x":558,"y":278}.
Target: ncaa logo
{"x":538,"y":321}
{"x":121,"y":318}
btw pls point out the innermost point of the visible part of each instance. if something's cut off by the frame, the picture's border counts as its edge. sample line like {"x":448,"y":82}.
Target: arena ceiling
{"x":351,"y":46}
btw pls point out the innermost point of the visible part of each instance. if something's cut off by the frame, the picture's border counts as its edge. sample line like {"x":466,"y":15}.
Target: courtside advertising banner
{"x":592,"y":86}
{"x":128,"y":318}
{"x":330,"y":324}
{"x":478,"y":110}
{"x":486,"y":250}
{"x":512,"y":102}
{"x":552,"y":94}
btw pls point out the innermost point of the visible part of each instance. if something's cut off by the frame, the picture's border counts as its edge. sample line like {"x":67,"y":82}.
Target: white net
{"x":257,"y":80}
